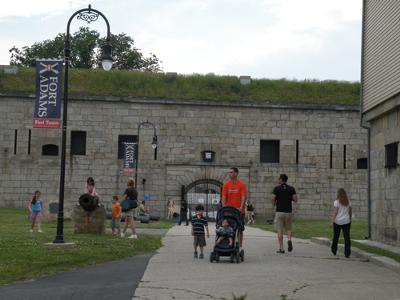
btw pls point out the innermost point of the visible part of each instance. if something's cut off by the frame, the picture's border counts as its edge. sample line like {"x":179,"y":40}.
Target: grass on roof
{"x":202,"y":87}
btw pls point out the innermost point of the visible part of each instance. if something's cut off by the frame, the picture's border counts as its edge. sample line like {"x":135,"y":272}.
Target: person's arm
{"x":334,"y":213}
{"x":208,"y":234}
{"x":242,"y":202}
{"x":350,"y":213}
{"x":30,"y":206}
{"x":295,"y":199}
{"x":273,"y":199}
{"x":224,"y":193}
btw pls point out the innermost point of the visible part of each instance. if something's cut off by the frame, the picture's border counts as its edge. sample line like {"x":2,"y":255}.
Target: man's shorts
{"x":199,"y":240}
{"x":129,"y":213}
{"x":283,"y":221}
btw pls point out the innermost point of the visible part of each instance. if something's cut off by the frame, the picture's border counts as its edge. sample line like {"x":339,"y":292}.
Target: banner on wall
{"x":130,"y":151}
{"x":47,"y":113}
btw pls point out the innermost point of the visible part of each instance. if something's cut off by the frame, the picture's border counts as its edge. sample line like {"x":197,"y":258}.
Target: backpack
{"x":128,"y":204}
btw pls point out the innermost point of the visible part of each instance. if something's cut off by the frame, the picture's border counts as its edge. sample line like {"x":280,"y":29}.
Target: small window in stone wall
{"x":269,"y":151}
{"x":50,"y":150}
{"x":124,"y":139}
{"x":362,"y":163}
{"x":391,"y":152}
{"x":78,"y":143}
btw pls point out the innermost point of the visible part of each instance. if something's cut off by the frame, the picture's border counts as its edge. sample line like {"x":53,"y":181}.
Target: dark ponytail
{"x":34,"y":198}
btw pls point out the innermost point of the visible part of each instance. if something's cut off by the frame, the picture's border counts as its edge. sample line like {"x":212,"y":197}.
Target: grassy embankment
{"x":202,"y":87}
{"x":25,"y":255}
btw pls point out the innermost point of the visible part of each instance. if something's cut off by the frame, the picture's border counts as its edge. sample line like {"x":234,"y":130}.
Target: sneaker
{"x":133,"y":236}
{"x":122,"y":234}
{"x":280,"y":251}
{"x":195,"y":255}
{"x":290,"y":246}
{"x":40,"y":230}
{"x":201,"y":255}
{"x":30,"y":230}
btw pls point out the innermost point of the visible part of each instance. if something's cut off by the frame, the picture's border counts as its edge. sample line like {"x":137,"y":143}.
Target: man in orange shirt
{"x":234,"y":194}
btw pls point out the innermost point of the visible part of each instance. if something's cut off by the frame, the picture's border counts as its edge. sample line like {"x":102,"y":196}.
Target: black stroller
{"x":223,"y":248}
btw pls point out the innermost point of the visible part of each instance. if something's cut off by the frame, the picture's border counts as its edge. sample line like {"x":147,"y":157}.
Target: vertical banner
{"x":130,"y":151}
{"x":47,"y":112}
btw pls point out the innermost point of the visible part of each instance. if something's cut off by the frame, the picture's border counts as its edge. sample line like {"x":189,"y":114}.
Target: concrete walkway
{"x":309,"y":272}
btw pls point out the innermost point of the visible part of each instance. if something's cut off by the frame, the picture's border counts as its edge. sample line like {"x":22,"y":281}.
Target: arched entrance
{"x":206,"y":192}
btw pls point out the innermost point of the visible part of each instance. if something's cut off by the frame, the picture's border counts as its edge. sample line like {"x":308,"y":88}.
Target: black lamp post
{"x":153,"y":144}
{"x":89,"y":15}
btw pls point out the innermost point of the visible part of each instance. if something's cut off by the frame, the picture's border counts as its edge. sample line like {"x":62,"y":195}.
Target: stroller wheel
{"x":232,"y":257}
{"x":217,"y":257}
{"x":237,"y":257}
{"x":212,"y":256}
{"x":242,"y":255}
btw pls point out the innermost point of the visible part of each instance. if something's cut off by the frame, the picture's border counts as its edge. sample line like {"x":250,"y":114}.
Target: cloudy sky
{"x":307,"y":39}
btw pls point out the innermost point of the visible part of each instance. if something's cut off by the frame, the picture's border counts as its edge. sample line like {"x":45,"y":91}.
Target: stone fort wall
{"x":328,"y":139}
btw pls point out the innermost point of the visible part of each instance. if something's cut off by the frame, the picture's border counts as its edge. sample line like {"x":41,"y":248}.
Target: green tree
{"x":85,"y":52}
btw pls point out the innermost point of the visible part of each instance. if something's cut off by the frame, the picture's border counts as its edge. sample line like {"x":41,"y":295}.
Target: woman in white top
{"x":341,"y":219}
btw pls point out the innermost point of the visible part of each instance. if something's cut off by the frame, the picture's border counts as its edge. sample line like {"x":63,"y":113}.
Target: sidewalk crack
{"x":181,"y":290}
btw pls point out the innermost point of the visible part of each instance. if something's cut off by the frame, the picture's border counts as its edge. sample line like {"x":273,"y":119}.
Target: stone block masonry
{"x":234,"y":131}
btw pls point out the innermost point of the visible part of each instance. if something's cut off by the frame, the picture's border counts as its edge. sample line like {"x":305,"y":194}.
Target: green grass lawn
{"x":24,"y":255}
{"x":203,"y":87}
{"x":308,"y":228}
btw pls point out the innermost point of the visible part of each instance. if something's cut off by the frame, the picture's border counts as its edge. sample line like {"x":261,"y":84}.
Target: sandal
{"x":280,"y":251}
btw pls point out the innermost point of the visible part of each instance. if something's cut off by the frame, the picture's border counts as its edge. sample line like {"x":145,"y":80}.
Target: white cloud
{"x":27,"y":8}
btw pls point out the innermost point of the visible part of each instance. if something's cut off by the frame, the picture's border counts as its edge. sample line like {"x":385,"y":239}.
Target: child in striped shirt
{"x":199,"y":223}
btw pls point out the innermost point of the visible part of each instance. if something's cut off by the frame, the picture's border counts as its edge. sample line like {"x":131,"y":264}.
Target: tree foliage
{"x":85,"y":45}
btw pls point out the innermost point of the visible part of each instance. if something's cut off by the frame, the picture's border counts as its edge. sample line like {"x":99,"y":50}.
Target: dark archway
{"x":206,"y":192}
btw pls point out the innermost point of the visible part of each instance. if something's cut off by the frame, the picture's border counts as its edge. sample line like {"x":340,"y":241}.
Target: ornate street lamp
{"x":153,"y":144}
{"x":88,"y":15}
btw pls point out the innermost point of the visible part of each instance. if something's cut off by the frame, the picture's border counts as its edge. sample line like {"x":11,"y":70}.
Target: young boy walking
{"x":199,"y":223}
{"x":115,"y":216}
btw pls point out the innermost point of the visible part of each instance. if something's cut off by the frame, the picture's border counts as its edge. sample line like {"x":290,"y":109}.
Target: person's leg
{"x":33,"y":222}
{"x":195,"y":243}
{"x":126,"y":223}
{"x":280,"y":240}
{"x":219,"y":239}
{"x":230,"y":241}
{"x":288,"y":226}
{"x":336,"y":233}
{"x":133,"y":225}
{"x":279,"y":225}
{"x":202,"y":244}
{"x":347,"y":241}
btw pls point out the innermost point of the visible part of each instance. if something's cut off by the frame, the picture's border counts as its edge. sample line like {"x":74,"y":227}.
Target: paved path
{"x":112,"y":280}
{"x":309,"y":272}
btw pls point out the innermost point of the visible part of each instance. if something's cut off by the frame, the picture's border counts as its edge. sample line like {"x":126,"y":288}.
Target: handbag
{"x":128,"y":204}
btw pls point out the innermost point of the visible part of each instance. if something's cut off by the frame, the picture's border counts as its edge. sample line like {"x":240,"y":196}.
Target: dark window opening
{"x":15,"y":140}
{"x":391,"y":155}
{"x":362,"y":163}
{"x":269,"y":151}
{"x":50,"y":150}
{"x":78,"y":142}
{"x":29,"y":141}
{"x":331,"y":157}
{"x":344,"y":156}
{"x":124,"y":139}
{"x":297,"y":151}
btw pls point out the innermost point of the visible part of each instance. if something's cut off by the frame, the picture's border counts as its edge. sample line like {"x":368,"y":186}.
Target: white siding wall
{"x":381,"y":51}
